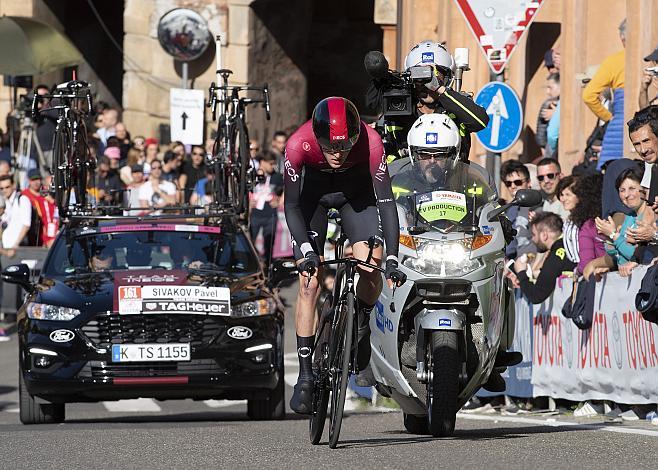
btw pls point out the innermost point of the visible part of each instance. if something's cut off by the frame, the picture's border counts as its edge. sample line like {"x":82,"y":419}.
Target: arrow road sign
{"x":186,"y":114}
{"x":498,"y":26}
{"x":506,"y":116}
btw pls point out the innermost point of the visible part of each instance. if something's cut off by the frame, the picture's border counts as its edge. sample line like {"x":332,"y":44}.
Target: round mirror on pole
{"x":184,"y":35}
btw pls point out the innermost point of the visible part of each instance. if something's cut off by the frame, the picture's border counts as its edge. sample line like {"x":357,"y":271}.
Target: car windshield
{"x":441,"y":194}
{"x":152,"y":249}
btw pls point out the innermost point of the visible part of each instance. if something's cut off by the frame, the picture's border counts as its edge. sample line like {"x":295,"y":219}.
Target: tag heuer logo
{"x":151,"y":305}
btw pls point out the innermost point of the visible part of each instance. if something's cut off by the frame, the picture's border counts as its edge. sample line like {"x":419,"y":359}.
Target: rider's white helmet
{"x":434,"y":54}
{"x":433,"y":135}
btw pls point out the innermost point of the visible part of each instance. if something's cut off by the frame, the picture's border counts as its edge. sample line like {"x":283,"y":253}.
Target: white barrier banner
{"x":615,"y":359}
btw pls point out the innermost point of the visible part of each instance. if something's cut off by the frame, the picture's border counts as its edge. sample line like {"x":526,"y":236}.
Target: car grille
{"x":102,"y":369}
{"x":198,"y":330}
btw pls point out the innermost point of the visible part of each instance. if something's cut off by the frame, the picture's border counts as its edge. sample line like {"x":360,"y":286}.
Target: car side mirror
{"x":18,"y":274}
{"x":282,"y":270}
{"x":527,"y":198}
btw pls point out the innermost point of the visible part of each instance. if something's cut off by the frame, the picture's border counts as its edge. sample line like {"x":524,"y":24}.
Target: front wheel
{"x":443,"y":384}
{"x":415,"y":424}
{"x":33,"y":412}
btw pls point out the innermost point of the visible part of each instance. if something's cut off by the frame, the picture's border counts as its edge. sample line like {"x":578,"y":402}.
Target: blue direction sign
{"x":505,"y":116}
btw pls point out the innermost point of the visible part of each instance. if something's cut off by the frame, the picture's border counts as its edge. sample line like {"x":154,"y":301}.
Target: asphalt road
{"x":185,"y":434}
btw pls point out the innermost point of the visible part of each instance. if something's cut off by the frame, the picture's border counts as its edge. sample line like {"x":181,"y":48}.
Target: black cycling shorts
{"x":355,"y":201}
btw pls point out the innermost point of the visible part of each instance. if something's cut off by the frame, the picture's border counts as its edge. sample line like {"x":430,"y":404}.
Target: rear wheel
{"x":33,"y":412}
{"x":416,"y":424}
{"x":61,"y":172}
{"x":443,"y":384}
{"x":341,"y":340}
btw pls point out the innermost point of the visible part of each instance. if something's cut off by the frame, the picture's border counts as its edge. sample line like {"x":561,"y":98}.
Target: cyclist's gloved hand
{"x":310,"y":264}
{"x":393,"y":273}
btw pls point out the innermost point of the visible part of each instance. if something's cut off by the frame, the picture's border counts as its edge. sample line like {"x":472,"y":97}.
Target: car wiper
{"x":210,"y":271}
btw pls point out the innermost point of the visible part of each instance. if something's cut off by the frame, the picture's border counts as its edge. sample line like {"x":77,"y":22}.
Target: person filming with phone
{"x":649,"y":77}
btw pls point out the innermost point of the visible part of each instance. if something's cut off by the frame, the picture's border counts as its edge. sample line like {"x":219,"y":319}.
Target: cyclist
{"x":344,"y":167}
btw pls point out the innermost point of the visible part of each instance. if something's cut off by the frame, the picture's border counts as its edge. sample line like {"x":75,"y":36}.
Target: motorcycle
{"x":434,"y":343}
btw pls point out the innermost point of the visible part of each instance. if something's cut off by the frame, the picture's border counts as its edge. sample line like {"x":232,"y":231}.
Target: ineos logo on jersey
{"x":338,"y":137}
{"x":381,"y":169}
{"x":290,"y":171}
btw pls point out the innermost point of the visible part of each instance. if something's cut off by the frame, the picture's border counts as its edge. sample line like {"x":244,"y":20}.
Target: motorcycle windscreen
{"x":442,"y":194}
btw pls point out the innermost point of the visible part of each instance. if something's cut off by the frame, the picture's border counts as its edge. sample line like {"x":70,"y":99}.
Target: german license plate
{"x":150,"y":352}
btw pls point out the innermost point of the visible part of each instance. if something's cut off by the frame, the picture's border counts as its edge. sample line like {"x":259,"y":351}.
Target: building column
{"x":573,"y":135}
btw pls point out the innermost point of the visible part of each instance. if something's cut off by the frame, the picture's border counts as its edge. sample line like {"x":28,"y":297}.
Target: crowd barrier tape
{"x":616,"y":359}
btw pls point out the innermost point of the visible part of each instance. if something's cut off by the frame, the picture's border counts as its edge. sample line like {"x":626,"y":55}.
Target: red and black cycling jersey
{"x":364,"y":169}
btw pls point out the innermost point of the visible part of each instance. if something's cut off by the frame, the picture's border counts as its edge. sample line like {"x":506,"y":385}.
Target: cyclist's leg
{"x":305,"y":310}
{"x":360,"y":219}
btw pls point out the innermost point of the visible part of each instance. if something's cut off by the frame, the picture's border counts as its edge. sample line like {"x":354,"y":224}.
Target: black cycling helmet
{"x":336,"y":124}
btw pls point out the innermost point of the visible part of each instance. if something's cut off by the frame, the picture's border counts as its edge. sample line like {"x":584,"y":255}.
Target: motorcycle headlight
{"x":38,"y":311}
{"x":254,"y":308}
{"x":443,"y":259}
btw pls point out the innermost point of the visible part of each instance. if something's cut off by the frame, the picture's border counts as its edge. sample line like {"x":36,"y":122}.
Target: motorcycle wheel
{"x":416,"y":424}
{"x":443,"y":385}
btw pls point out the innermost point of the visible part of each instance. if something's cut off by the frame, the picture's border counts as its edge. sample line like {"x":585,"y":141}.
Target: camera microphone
{"x":376,"y":65}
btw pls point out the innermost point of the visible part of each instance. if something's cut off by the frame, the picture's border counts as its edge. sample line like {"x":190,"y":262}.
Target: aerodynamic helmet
{"x":336,"y":124}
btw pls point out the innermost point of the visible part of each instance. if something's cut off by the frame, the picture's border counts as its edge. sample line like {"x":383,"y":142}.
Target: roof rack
{"x":208,"y":212}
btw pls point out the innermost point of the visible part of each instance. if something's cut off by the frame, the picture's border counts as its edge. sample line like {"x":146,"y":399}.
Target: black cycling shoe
{"x":302,"y":397}
{"x":363,"y":350}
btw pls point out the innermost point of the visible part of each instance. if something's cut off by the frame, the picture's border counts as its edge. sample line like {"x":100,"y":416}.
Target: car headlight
{"x":443,"y":259}
{"x":39,"y":311}
{"x":254,"y":308}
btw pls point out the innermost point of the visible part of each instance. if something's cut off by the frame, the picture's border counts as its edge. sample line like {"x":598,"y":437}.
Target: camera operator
{"x":427,"y":96}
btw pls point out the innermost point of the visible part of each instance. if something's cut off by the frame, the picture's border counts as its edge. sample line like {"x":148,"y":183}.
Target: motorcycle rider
{"x":434,"y":145}
{"x":344,"y":167}
{"x":432,"y":97}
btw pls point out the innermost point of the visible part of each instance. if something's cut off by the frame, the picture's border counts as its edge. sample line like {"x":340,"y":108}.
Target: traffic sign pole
{"x":494,"y":158}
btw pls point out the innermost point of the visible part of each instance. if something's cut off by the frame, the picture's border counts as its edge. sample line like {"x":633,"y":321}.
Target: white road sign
{"x":186,"y":115}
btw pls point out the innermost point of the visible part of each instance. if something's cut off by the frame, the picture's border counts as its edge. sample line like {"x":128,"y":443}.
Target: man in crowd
{"x":193,"y":170}
{"x":515,"y":176}
{"x":609,"y":75}
{"x":549,"y":174}
{"x":132,"y":190}
{"x":110,"y":120}
{"x":278,"y":146}
{"x":42,"y":146}
{"x":264,"y":201}
{"x":546,"y":229}
{"x":108,"y":182}
{"x":156,"y":193}
{"x":170,"y":167}
{"x":43,"y":223}
{"x":17,"y":218}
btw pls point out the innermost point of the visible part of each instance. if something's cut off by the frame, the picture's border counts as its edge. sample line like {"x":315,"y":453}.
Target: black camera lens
{"x":397,"y":104}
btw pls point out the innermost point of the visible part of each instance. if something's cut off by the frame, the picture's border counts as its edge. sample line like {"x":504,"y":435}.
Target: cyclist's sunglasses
{"x":516,"y":183}
{"x":337,"y":147}
{"x":550,"y":176}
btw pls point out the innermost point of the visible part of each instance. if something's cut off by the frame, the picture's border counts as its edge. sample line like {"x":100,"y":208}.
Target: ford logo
{"x":239,"y":332}
{"x":62,"y":336}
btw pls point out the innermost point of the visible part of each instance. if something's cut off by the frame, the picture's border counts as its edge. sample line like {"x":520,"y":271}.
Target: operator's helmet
{"x":428,"y":53}
{"x":336,"y":124}
{"x":433,"y":135}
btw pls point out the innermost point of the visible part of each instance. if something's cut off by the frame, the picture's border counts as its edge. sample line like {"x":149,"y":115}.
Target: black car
{"x":160,"y":308}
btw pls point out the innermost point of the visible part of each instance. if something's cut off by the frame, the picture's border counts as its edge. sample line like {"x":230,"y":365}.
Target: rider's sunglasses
{"x":514,"y":182}
{"x":436,"y":154}
{"x":550,"y":176}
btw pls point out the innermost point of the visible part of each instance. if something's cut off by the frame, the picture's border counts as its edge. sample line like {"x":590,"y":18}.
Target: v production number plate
{"x":150,"y":352}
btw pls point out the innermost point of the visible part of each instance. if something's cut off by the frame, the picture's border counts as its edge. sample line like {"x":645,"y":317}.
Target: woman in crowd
{"x":619,"y":249}
{"x":135,"y":157}
{"x":566,"y":196}
{"x":584,"y":209}
{"x":151,"y":150}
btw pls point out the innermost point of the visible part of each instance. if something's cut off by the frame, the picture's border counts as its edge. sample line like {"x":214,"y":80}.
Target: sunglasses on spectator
{"x":514,"y":182}
{"x":550,"y":176}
